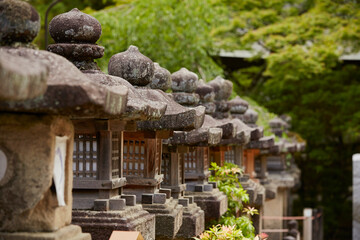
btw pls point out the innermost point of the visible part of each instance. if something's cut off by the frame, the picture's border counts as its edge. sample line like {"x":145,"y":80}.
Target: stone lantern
{"x":197,"y":159}
{"x":100,"y":206}
{"x":36,"y":143}
{"x":143,"y":148}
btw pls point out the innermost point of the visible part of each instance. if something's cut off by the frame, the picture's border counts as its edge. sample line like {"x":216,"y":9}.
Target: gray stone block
{"x":191,"y":199}
{"x":117,"y":204}
{"x":130,"y":199}
{"x":147,"y":198}
{"x":208,"y":187}
{"x":184,"y":202}
{"x":101,"y":205}
{"x":214,"y":184}
{"x":199,"y":188}
{"x":160,"y":198}
{"x":167,"y":191}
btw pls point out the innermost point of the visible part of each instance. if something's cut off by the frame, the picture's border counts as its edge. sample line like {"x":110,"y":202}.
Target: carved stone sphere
{"x":161,"y":79}
{"x":19,"y":22}
{"x":75,"y":27}
{"x":132,"y":66}
{"x":184,"y":81}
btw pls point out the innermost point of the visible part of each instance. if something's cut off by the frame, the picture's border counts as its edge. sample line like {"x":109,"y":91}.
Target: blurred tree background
{"x":298,"y":70}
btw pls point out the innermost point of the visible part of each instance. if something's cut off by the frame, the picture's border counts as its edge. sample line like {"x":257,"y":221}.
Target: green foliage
{"x":173,"y":33}
{"x":227,"y":178}
{"x":222,"y":232}
{"x":301,"y":75}
{"x":228,"y":182}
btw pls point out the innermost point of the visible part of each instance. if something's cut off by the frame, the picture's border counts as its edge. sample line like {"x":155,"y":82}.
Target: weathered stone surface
{"x":213,"y":203}
{"x":147,"y":198}
{"x":206,"y":92}
{"x":27,"y":201}
{"x":101,"y":224}
{"x":222,"y":88}
{"x":193,"y":222}
{"x":238,"y":105}
{"x":132,"y":66}
{"x":21,"y":78}
{"x":101,"y":205}
{"x":176,"y":116}
{"x":243,"y":132}
{"x":199,"y":188}
{"x":161,"y":79}
{"x":262,"y":143}
{"x":117,"y":204}
{"x":160,"y":198}
{"x":71,"y":232}
{"x":250,"y":116}
{"x":168,"y":218}
{"x":19,"y":22}
{"x":69,"y":92}
{"x":141,"y":104}
{"x":184,"y":81}
{"x":190,"y":198}
{"x":166,"y":191}
{"x":207,"y":135}
{"x":229,"y":129}
{"x":188,"y":99}
{"x":210,"y":107}
{"x":130,"y":199}
{"x":75,"y":27}
{"x":77,"y":51}
{"x":184,"y":202}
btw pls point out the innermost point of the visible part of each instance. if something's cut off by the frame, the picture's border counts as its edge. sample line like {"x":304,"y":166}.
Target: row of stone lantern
{"x":133,"y":156}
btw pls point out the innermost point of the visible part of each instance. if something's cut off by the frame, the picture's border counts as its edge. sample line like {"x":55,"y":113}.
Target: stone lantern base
{"x":193,"y":221}
{"x":214,"y":203}
{"x":100,"y":224}
{"x":70,"y":232}
{"x":169,"y":217}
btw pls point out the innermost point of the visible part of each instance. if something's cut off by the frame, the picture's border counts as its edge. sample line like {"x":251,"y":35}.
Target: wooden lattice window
{"x":85,"y":156}
{"x":115,"y":154}
{"x":190,"y":162}
{"x":134,"y":157}
{"x":166,"y":168}
{"x":230,"y":156}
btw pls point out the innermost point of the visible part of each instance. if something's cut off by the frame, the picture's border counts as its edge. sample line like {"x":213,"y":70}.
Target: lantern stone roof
{"x":262,"y":143}
{"x":175,"y":117}
{"x":138,"y":106}
{"x":21,"y":78}
{"x":69,"y":91}
{"x":207,"y":135}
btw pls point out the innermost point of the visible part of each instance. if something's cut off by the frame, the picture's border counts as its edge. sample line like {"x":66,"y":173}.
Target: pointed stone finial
{"x":161,"y":79}
{"x":238,"y":105}
{"x":222,"y":87}
{"x":133,"y":66}
{"x":75,"y":34}
{"x":278,"y":126}
{"x":19,"y":22}
{"x":184,"y":81}
{"x":207,"y":96}
{"x":250,"y":117}
{"x":75,"y":27}
{"x":184,"y":84}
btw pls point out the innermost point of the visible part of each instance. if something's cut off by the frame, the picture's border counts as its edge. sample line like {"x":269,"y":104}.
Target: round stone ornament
{"x":132,"y":66}
{"x":19,"y":22}
{"x":75,"y":27}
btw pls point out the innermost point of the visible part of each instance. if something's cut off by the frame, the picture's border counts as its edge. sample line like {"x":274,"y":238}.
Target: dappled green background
{"x":301,"y":74}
